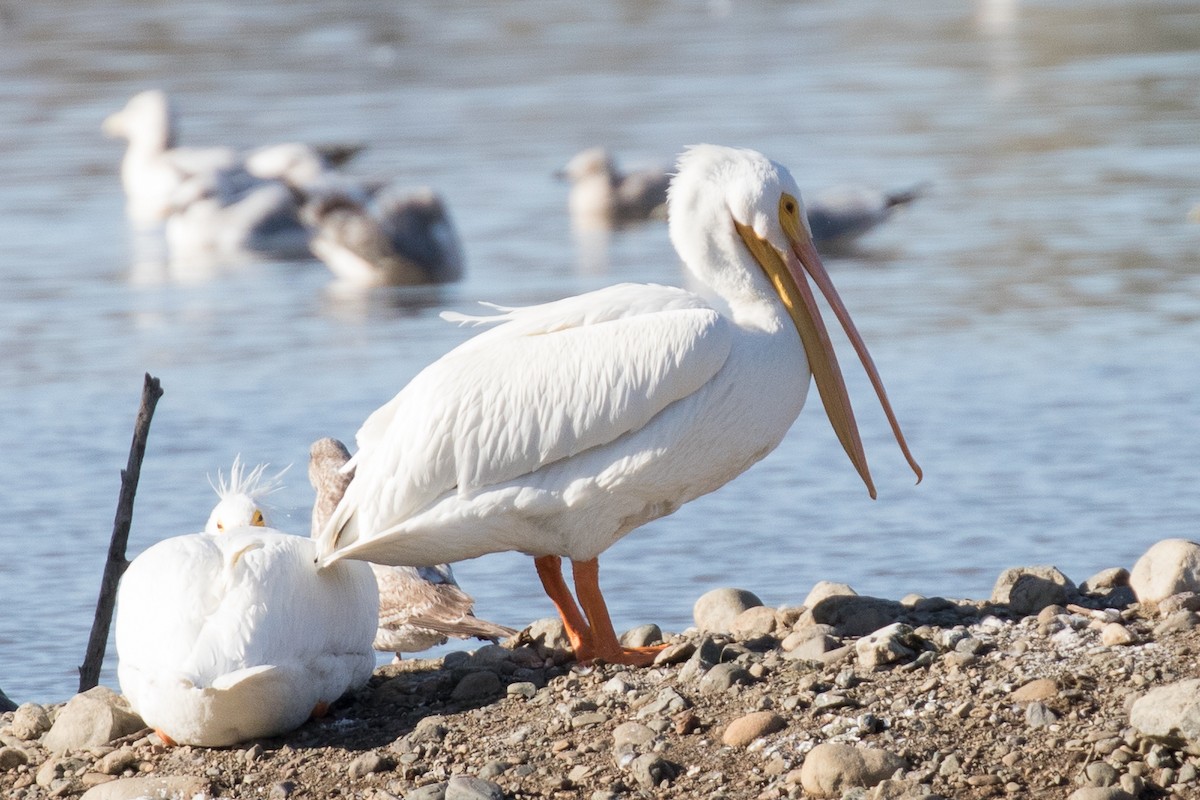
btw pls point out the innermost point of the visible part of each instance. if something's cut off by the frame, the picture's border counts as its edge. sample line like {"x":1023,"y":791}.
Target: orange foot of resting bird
{"x":166,"y":740}
{"x":593,"y":638}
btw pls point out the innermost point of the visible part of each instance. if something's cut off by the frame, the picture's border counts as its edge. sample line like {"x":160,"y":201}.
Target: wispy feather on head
{"x":255,"y":483}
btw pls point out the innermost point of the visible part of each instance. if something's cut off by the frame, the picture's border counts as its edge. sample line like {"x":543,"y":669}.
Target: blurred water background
{"x":1036,"y":317}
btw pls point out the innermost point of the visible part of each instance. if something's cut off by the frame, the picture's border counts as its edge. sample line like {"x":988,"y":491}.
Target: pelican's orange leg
{"x":549,"y":569}
{"x":605,"y":645}
{"x":319,"y":710}
{"x":166,"y":740}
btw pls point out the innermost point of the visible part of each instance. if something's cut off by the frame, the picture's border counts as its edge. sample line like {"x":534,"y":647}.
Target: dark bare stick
{"x":114,"y":567}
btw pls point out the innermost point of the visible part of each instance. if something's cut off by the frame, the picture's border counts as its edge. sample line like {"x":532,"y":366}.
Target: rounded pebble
{"x":717,"y":609}
{"x":744,"y":730}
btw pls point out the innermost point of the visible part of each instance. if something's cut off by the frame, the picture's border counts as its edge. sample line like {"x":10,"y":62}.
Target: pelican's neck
{"x":724,"y":273}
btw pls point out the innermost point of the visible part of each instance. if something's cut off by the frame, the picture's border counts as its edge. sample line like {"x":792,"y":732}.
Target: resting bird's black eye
{"x":790,"y":207}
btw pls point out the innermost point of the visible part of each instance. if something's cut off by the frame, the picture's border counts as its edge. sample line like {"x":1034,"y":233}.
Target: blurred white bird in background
{"x":216,"y":204}
{"x":419,"y":607}
{"x":840,"y":215}
{"x":572,"y":423}
{"x":602,"y":196}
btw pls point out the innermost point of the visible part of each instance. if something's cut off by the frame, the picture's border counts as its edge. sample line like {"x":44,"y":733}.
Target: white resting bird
{"x":236,"y":633}
{"x":419,"y":607}
{"x":570,"y":424}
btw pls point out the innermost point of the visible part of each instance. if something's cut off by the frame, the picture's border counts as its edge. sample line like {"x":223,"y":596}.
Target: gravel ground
{"x":954,"y":699}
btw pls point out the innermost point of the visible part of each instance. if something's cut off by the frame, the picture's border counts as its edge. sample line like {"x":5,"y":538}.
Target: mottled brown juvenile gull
{"x":418,"y":607}
{"x":394,"y":237}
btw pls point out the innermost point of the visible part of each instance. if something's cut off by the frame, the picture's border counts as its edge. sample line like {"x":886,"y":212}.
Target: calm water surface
{"x":1036,"y":317}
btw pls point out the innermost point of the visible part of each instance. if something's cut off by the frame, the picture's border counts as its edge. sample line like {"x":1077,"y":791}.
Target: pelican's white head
{"x":738,"y":223}
{"x":240,"y":503}
{"x":717,"y":188}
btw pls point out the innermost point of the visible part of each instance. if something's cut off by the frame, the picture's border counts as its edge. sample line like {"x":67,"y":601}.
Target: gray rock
{"x":1170,"y":714}
{"x":429,"y":729}
{"x":675,"y":653}
{"x":430,"y":791}
{"x":631,"y":736}
{"x":823,"y":590}
{"x":168,"y":787}
{"x":1183,"y":601}
{"x":30,"y":721}
{"x":549,"y":638}
{"x":526,"y":689}
{"x":5,"y":703}
{"x":717,"y":609}
{"x":895,"y":642}
{"x":588,"y":719}
{"x":493,"y":769}
{"x":368,"y":763}
{"x":1114,"y":634}
{"x":466,"y":787}
{"x":1039,"y":715}
{"x":1100,"y":793}
{"x":753,"y":623}
{"x":281,"y":790}
{"x":1027,"y":590}
{"x":642,"y":636}
{"x":1100,"y":773}
{"x":723,"y":677}
{"x":665,"y":703}
{"x":480,"y":685}
{"x":117,"y":761}
{"x":1168,"y":567}
{"x":12,"y":757}
{"x":94,"y":717}
{"x":830,"y":769}
{"x":853,"y":615}
{"x":1105,"y":581}
{"x":651,"y":769}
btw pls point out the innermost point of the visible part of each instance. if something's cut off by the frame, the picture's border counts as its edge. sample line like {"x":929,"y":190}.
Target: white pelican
{"x":572,"y":423}
{"x":602,"y":196}
{"x":236,"y":633}
{"x":392,"y":238}
{"x":419,"y":607}
{"x":840,"y":214}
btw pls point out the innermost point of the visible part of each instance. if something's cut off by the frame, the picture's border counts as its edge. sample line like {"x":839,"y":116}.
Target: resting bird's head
{"x":147,"y":121}
{"x":241,"y":497}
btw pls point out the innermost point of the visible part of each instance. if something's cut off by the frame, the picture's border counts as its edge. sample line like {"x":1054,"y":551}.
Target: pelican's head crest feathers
{"x":241,"y":496}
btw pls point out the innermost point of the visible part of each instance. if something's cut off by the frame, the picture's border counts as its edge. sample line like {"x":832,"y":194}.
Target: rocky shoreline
{"x":1048,"y":689}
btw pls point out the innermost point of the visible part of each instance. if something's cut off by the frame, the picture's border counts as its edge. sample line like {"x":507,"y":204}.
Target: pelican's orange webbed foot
{"x":167,"y":740}
{"x":319,"y":710}
{"x":631,"y":656}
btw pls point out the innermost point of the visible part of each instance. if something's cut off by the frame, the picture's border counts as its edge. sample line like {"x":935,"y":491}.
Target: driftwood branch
{"x":114,"y":567}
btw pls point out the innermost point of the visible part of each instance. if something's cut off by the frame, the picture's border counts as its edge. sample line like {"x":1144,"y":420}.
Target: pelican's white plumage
{"x":569,"y":424}
{"x":232,"y":636}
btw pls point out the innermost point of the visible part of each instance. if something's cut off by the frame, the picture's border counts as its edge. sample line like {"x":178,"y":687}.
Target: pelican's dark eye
{"x":789,"y":206}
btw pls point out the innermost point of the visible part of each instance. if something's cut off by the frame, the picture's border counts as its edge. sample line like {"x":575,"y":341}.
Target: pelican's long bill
{"x":787,"y":273}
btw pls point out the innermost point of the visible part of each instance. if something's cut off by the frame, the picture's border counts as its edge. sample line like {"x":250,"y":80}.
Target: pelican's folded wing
{"x":551,"y":382}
